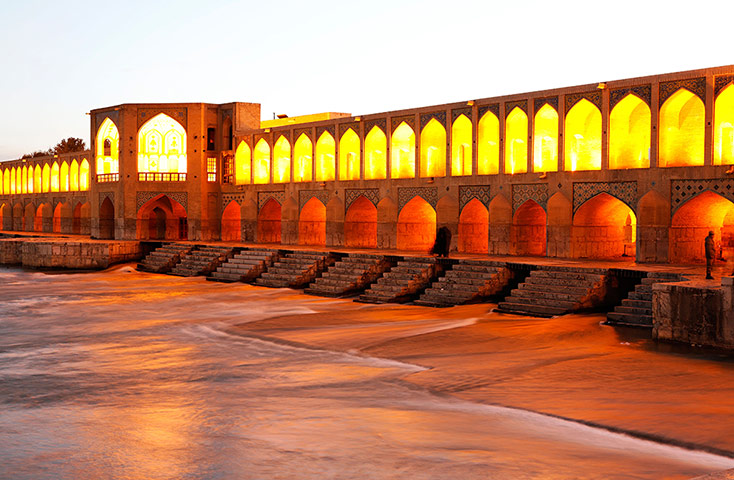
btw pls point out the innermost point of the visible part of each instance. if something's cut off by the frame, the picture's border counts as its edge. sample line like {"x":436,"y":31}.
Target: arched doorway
{"x":360,"y":224}
{"x":6,"y":217}
{"x":30,"y":218}
{"x":162,"y":218}
{"x":231,"y":223}
{"x":268,"y":222}
{"x":528,"y":230}
{"x":416,"y":226}
{"x":57,"y":219}
{"x":474,"y":228}
{"x":312,"y":223}
{"x":107,"y":219}
{"x":693,"y":220}
{"x":604,"y":227}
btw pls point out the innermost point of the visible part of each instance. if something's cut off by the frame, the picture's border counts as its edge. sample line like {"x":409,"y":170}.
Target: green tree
{"x":69,"y":145}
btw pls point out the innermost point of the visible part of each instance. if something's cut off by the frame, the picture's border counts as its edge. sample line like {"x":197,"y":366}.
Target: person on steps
{"x":443,"y":242}
{"x":710,"y":253}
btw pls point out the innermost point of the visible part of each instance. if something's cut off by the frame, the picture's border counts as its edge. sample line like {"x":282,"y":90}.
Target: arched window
{"x":84,"y":175}
{"x":724,"y":127}
{"x":64,"y":177}
{"x":261,"y":162}
{"x":629,"y":134}
{"x":19,"y":181}
{"x":303,"y":159}
{"x":46,"y":179}
{"x":325,"y":158}
{"x":375,"y":153}
{"x":349,"y":156}
{"x":488,"y":144}
{"x":461,"y":149}
{"x":73,"y":176}
{"x":12,"y":180}
{"x":24,"y":179}
{"x":37,"y":183}
{"x":55,"y":177}
{"x":282,"y":161}
{"x":402,"y":147}
{"x":162,"y":148}
{"x":583,"y":137}
{"x":545,"y":140}
{"x":433,"y":150}
{"x":682,"y":130}
{"x":243,"y":164}
{"x":516,"y":145}
{"x":108,"y":149}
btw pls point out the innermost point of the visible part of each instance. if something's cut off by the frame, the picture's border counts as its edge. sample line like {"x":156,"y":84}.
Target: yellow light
{"x":516,"y":150}
{"x":242,"y":164}
{"x":302,"y":159}
{"x":545,"y":138}
{"x":403,"y":152}
{"x":349,"y":161}
{"x":325,"y":158}
{"x":583,"y":137}
{"x":488,"y":144}
{"x":433,"y":150}
{"x":161,"y":146}
{"x":261,"y":162}
{"x":282,"y":161}
{"x":682,"y":130}
{"x":724,"y":127}
{"x":461,"y":146}
{"x":375,"y":147}
{"x":108,"y":148}
{"x":629,"y":134}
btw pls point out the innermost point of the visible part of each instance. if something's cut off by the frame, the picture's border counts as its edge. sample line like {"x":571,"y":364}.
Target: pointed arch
{"x":28,"y":179}
{"x":19,"y":181}
{"x":24,"y":179}
{"x":583,"y":137}
{"x":232,"y":222}
{"x":724,"y":127}
{"x":545,"y":140}
{"x":682,"y":125}
{"x":6,"y":214}
{"x":282,"y":160}
{"x":55,"y":177}
{"x":269,"y":222}
{"x":46,"y":178}
{"x":416,"y":226}
{"x":693,"y":220}
{"x":325,"y":157}
{"x":349,"y":157}
{"x":629,"y":134}
{"x":603,"y":227}
{"x":474,"y":228}
{"x":261,"y":162}
{"x":402,"y":147}
{"x":162,"y":146}
{"x":516,"y":142}
{"x":375,"y":152}
{"x":243,"y":164}
{"x":107,"y":219}
{"x":64,"y":177}
{"x":461,"y":146}
{"x":312,"y":223}
{"x":6,"y":182}
{"x":62,"y":218}
{"x":161,"y":218}
{"x":84,"y":175}
{"x":360,"y":224}
{"x":488,"y":144}
{"x":107,"y":149}
{"x":528,"y":232}
{"x":433,"y":150}
{"x":303,"y":159}
{"x":37,"y":179}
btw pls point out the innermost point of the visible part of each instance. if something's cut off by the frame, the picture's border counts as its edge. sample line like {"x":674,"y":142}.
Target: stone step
{"x":533,"y":310}
{"x":619,"y":318}
{"x":549,"y":295}
{"x":567,"y":274}
{"x":202,"y":261}
{"x":403,"y":282}
{"x":540,"y":287}
{"x":295,"y":270}
{"x":566,"y":305}
{"x":633,"y":310}
{"x":628,"y":302}
{"x":164,"y":258}
{"x":566,"y":282}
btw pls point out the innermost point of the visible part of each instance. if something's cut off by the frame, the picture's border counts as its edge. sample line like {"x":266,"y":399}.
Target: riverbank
{"x":571,"y":367}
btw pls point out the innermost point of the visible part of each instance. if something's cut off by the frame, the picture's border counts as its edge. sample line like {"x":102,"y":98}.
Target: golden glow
{"x":261,"y":162}
{"x":5,"y":181}
{"x":433,"y":150}
{"x":461,"y":132}
{"x":19,"y":181}
{"x":325,"y":158}
{"x":629,"y":134}
{"x":349,"y":156}
{"x":375,"y":152}
{"x":545,"y":140}
{"x":242,"y":164}
{"x":681,"y":130}
{"x":29,"y":179}
{"x":73,"y":176}
{"x":162,"y":145}
{"x":303,"y":159}
{"x":12,"y":180}
{"x":583,"y":137}
{"x":488,"y":145}
{"x":108,"y":148}
{"x":724,"y":127}
{"x":84,"y":175}
{"x":314,"y":117}
{"x":64,"y":177}
{"x":55,"y":177}
{"x":402,"y":146}
{"x":282,"y":161}
{"x":416,"y":226}
{"x":46,"y":178}
{"x":37,"y":184}
{"x":516,"y":146}
{"x":24,"y":180}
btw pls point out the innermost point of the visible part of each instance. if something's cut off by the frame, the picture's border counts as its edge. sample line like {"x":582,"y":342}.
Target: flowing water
{"x":127,"y":375}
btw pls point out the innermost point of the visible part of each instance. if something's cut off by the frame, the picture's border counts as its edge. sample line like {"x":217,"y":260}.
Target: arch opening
{"x":402,"y":148}
{"x":416,"y":226}
{"x":692,"y":222}
{"x":461,"y":146}
{"x":545,"y":140}
{"x":682,"y":122}
{"x":242,"y":164}
{"x":516,"y":147}
{"x":604,"y":227}
{"x":107,"y":219}
{"x":312,"y":223}
{"x":360,"y":224}
{"x":303,"y":159}
{"x":162,"y":218}
{"x":629,"y":134}
{"x":161,"y":146}
{"x":433,"y":150}
{"x":375,"y":148}
{"x":349,"y":157}
{"x":261,"y":162}
{"x":232,"y":223}
{"x":724,"y":127}
{"x":583,"y":137}
{"x":528,"y":231}
{"x":108,"y":150}
{"x":488,"y":145}
{"x":282,"y":161}
{"x":325,"y":158}
{"x":269,"y":222}
{"x":474,"y":228}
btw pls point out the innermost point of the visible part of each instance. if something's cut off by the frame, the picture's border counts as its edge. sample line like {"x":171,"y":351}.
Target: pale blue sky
{"x":62,"y":58}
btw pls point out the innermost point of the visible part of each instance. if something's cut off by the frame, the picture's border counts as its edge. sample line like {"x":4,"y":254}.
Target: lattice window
{"x":211,"y":169}
{"x":228,"y":170}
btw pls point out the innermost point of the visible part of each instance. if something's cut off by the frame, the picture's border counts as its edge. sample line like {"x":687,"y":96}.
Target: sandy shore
{"x":570,"y":366}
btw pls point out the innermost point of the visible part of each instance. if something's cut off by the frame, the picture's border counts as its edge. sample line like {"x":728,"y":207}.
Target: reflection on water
{"x":134,"y":376}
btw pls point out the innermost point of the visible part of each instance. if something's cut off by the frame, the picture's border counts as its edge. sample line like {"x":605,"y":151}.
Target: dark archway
{"x":232,"y":223}
{"x":107,"y":219}
{"x":603,"y":227}
{"x":268,"y":222}
{"x":416,"y":226}
{"x":312,"y":223}
{"x":474,"y":228}
{"x":162,"y":218}
{"x":528,"y":236}
{"x":360,"y":224}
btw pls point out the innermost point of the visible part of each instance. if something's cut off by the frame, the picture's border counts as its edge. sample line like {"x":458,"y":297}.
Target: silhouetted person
{"x":710,"y":253}
{"x":442,"y":243}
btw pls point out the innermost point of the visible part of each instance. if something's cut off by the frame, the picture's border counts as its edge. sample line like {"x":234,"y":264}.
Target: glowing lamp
{"x":470,"y":103}
{"x":602,"y":86}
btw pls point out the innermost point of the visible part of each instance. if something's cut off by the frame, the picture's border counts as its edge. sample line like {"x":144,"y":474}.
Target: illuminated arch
{"x":528,"y":231}
{"x":37,"y":179}
{"x":402,"y":146}
{"x":603,"y":227}
{"x":545,"y":140}
{"x":349,"y":158}
{"x":6,"y":182}
{"x":433,"y":150}
{"x":269,"y":222}
{"x":516,"y":146}
{"x":282,"y":161}
{"x":29,"y":180}
{"x":24,"y":179}
{"x":18,"y":181}
{"x":461,"y":146}
{"x":416,"y":226}
{"x":375,"y":152}
{"x":682,"y":130}
{"x":325,"y":158}
{"x":583,"y":137}
{"x":64,"y":177}
{"x":360,"y":224}
{"x":73,"y":176}
{"x":84,"y":175}
{"x":46,"y":178}
{"x":474,"y":228}
{"x":232,"y":223}
{"x":55,"y":177}
{"x":312,"y":223}
{"x":108,"y":148}
{"x":303,"y":159}
{"x":162,"y":146}
{"x":724,"y":127}
{"x":629,"y":134}
{"x":488,"y":144}
{"x":692,"y":222}
{"x":261,"y":162}
{"x":161,"y":218}
{"x":243,"y":164}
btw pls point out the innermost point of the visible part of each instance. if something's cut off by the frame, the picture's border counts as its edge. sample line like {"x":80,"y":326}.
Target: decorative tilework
{"x":396,"y":121}
{"x":99,"y":117}
{"x":624,"y":191}
{"x":103,"y":195}
{"x":230,"y":197}
{"x":537,"y":192}
{"x":683,"y":190}
{"x":494,"y":108}
{"x":81,"y":200}
{"x":263,"y":197}
{"x":459,"y":112}
{"x":326,"y":128}
{"x":594,"y":97}
{"x":343,"y":127}
{"x":285,"y":135}
{"x":522,"y":104}
{"x":371,"y":194}
{"x":439,"y":116}
{"x":721,"y":83}
{"x":302,"y":131}
{"x":305,"y":195}
{"x":145,"y":114}
{"x":643,"y":91}
{"x":381,"y":123}
{"x":552,"y":101}
{"x":406,"y":194}
{"x":697,"y":86}
{"x":265,"y":137}
{"x":145,"y":197}
{"x":469,"y":192}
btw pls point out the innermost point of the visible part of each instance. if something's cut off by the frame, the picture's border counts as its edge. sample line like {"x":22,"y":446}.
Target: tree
{"x":39,"y":153}
{"x":69,"y":145}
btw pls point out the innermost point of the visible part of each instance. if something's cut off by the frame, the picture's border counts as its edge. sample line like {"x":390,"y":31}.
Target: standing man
{"x":710,"y":253}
